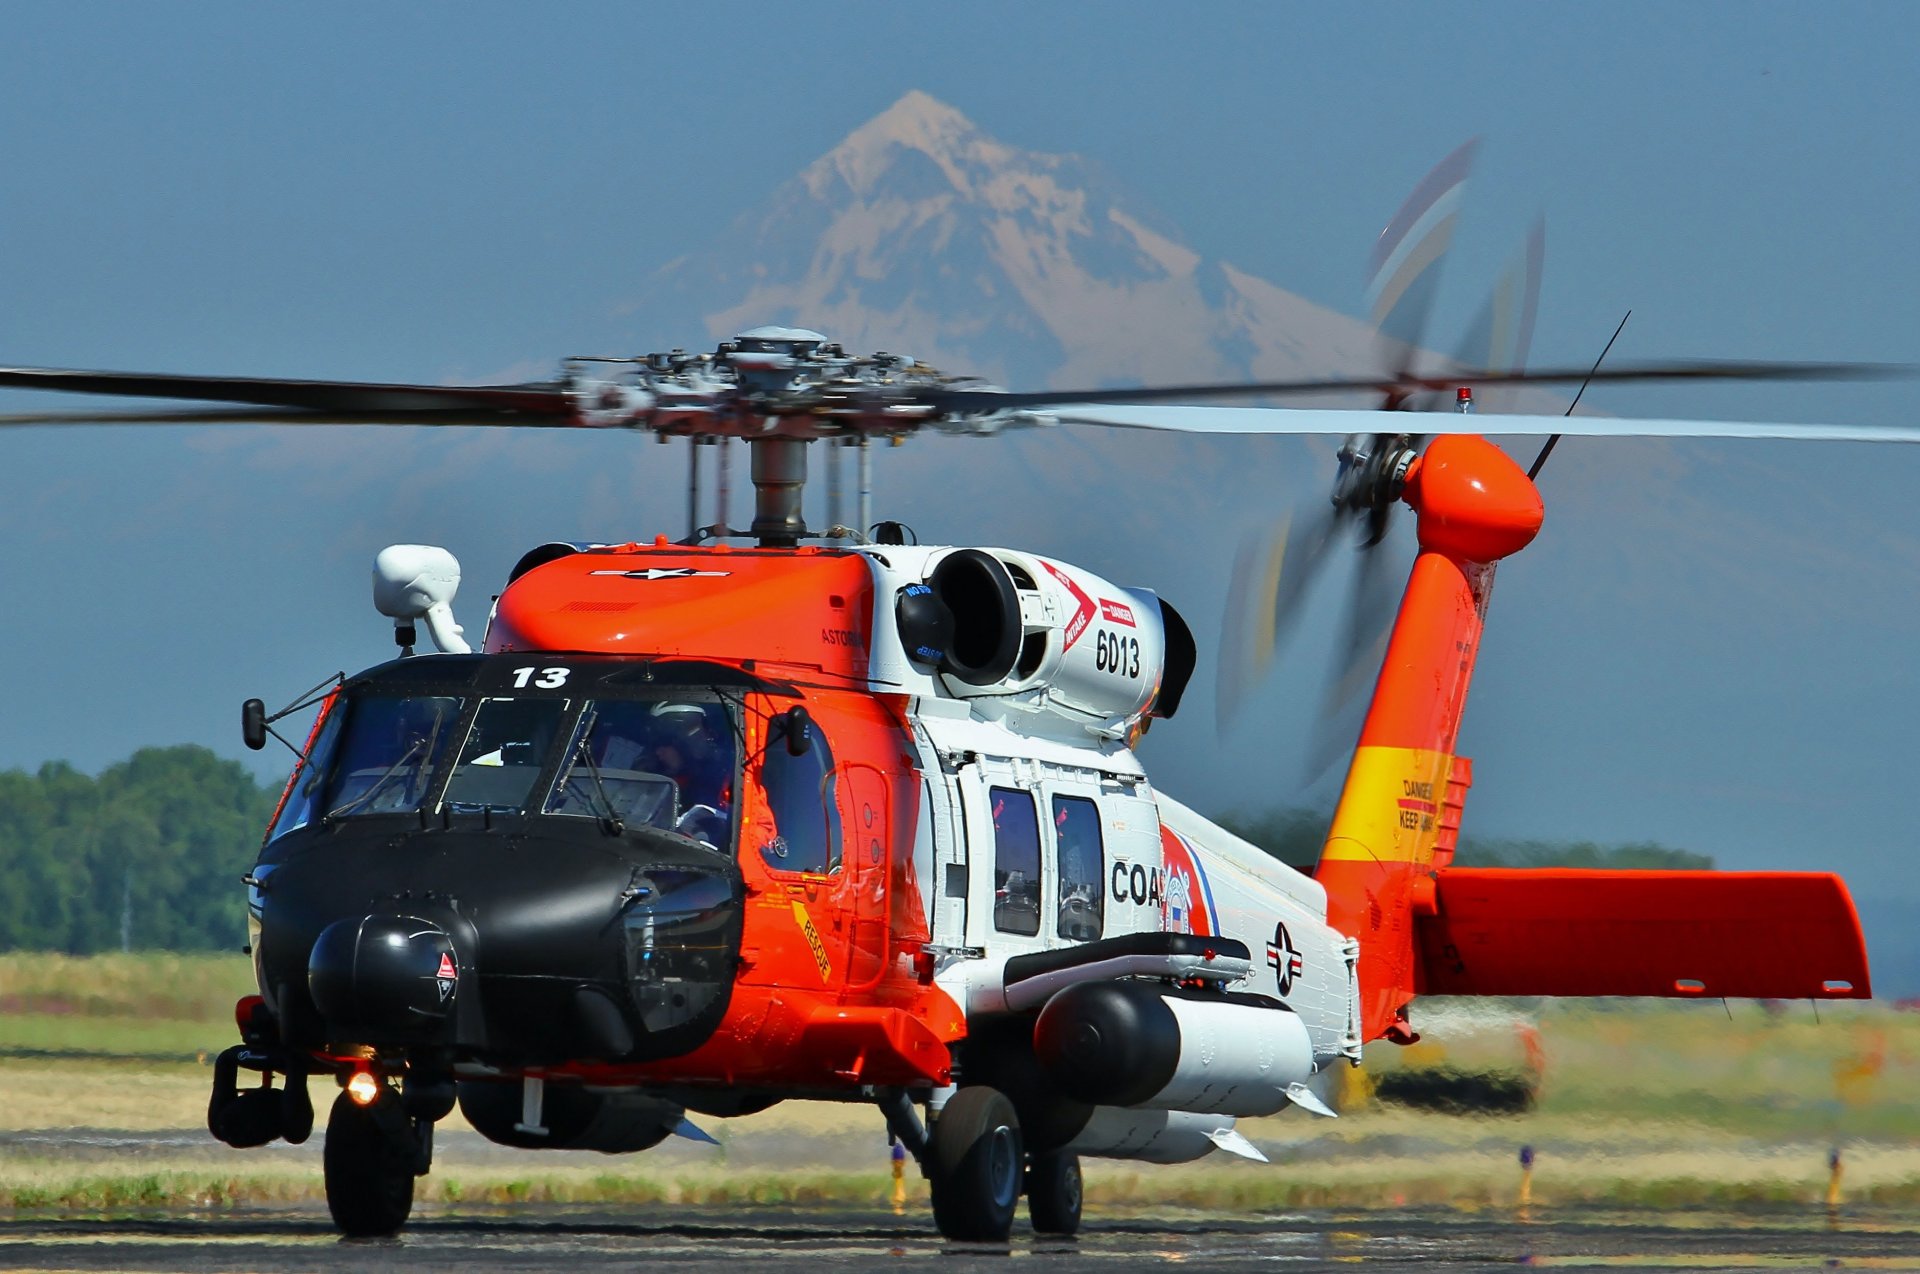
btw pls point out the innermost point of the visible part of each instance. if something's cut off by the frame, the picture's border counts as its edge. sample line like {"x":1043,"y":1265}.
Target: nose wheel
{"x":372,"y":1155}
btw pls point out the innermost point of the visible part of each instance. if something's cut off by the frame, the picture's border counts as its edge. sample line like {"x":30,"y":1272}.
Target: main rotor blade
{"x":981,"y":400}
{"x":278,"y":416}
{"x":1316,"y":420}
{"x":355,"y":397}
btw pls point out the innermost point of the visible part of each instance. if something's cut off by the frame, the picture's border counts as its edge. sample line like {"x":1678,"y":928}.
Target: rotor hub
{"x":1373,"y":471}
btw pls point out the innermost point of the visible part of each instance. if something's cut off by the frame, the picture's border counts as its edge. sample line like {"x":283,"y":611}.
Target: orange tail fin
{"x":1385,"y":863}
{"x":1559,"y":931}
{"x":1474,"y":507}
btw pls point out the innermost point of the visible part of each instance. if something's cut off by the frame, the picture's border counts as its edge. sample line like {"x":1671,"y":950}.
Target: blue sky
{"x":1710,"y":645}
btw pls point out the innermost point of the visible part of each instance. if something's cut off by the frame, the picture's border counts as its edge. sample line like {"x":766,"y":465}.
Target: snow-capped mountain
{"x":921,"y":234}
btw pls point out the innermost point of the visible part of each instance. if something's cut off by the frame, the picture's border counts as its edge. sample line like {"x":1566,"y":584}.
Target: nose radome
{"x":382,"y":978}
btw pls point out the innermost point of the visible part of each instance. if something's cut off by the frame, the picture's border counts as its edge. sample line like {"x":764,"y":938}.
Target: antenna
{"x":694,"y":447}
{"x":1540,"y":461}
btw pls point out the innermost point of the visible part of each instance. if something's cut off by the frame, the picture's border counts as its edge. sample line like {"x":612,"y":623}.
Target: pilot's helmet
{"x":684,"y":725}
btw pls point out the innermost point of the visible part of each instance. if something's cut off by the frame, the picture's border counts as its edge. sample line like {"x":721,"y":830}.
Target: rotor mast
{"x":778,"y":470}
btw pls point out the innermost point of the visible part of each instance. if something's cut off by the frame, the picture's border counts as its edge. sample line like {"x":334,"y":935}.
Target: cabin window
{"x":1076,"y":830}
{"x":800,"y":795}
{"x":1016,"y":861}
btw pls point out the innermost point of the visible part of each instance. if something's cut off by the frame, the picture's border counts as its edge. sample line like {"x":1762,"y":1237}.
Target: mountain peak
{"x":918,"y":125}
{"x":921,"y":232}
{"x":917,"y":119}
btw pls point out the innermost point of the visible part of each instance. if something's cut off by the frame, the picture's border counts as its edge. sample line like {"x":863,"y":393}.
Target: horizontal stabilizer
{"x":1766,"y":935}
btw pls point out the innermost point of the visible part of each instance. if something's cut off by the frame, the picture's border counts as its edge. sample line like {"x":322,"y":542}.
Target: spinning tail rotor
{"x":1403,"y":277}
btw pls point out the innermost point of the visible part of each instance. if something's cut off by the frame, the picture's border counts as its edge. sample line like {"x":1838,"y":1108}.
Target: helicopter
{"x":759,"y":814}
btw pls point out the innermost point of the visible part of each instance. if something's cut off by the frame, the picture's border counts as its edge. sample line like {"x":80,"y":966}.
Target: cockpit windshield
{"x":667,"y":763}
{"x":387,"y":752}
{"x":505,"y":751}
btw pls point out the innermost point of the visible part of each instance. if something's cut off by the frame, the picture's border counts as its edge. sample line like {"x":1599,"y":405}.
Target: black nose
{"x":382,"y":979}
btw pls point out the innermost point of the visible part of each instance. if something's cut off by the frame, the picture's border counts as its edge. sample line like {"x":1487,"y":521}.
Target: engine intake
{"x":979,"y":593}
{"x":1043,"y":636}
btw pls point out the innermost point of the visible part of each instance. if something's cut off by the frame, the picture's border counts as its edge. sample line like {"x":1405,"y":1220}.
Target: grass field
{"x":144,"y":1005}
{"x":1638,"y":1104}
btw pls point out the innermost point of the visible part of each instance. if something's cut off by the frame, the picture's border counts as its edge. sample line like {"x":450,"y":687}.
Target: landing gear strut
{"x":974,"y":1163}
{"x":373,"y":1153}
{"x":246,"y":1117}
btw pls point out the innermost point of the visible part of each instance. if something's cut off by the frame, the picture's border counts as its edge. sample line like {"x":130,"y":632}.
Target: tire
{"x":370,"y":1156}
{"x":974,"y":1161}
{"x":1053,"y":1194}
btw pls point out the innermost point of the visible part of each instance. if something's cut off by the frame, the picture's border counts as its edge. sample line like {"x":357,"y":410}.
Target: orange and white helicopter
{"x":707,"y":824}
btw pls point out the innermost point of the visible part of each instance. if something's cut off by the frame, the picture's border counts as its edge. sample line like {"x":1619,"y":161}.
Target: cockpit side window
{"x":1076,"y":831}
{"x":302,"y":804}
{"x":801,"y":796}
{"x":1016,"y":861}
{"x":388,"y":752}
{"x":504,"y":753}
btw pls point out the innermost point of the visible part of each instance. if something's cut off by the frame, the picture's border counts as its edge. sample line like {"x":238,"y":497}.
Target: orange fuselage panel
{"x":829,"y":992}
{"x":807,"y":607}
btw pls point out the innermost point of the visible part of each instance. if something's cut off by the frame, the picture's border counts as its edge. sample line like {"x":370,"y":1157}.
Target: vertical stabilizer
{"x":1474,"y":506}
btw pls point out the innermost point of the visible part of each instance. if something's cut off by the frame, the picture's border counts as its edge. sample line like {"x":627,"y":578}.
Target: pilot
{"x":620,"y":733}
{"x":686,"y":747}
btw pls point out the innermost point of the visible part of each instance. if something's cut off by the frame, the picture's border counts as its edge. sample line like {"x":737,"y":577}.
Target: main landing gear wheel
{"x":372,"y":1155}
{"x":974,"y":1164}
{"x":1053,"y":1194}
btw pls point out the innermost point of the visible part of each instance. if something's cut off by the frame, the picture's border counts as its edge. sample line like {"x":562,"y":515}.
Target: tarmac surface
{"x":551,"y":1237}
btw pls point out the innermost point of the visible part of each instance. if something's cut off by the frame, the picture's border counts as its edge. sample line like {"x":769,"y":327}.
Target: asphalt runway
{"x":684,"y":1239}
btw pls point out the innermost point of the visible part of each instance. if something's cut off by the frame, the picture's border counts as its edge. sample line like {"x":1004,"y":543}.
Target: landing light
{"x":363,"y":1088}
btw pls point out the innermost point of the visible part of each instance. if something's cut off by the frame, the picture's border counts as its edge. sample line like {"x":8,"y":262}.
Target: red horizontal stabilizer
{"x":1767,"y":935}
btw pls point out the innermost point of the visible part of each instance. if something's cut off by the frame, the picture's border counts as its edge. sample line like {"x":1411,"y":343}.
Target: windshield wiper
{"x":378,"y":783}
{"x":584,"y":752}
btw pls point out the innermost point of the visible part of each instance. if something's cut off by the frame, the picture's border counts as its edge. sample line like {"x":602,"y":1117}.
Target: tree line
{"x":1294,"y":836}
{"x":148,"y":854}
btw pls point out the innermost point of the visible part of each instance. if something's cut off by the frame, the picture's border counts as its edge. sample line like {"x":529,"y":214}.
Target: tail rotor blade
{"x":1271,"y":573}
{"x":1403,"y":273}
{"x":1361,"y":649}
